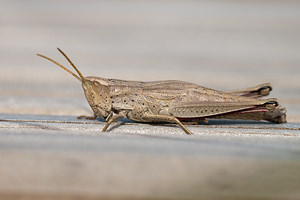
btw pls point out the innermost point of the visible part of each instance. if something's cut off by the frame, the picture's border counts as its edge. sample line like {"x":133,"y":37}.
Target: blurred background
{"x":221,"y":44}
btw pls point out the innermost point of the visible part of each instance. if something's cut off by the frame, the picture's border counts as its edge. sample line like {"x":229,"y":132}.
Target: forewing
{"x":205,"y":109}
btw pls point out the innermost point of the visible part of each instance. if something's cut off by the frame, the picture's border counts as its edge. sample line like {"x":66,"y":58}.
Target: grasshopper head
{"x":95,"y":89}
{"x":97,"y":93}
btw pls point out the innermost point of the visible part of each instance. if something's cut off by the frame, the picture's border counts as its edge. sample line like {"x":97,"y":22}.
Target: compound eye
{"x":96,"y":86}
{"x":96,"y":83}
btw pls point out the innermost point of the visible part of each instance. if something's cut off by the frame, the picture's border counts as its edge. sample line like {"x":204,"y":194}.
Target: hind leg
{"x":254,"y":92}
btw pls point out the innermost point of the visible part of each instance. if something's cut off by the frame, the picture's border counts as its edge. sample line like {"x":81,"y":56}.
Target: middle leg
{"x":147,"y":117}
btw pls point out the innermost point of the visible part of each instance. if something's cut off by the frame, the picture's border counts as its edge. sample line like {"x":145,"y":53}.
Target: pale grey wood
{"x":59,"y":156}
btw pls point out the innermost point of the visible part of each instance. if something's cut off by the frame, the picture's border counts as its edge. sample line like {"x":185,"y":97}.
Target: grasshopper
{"x":172,"y":101}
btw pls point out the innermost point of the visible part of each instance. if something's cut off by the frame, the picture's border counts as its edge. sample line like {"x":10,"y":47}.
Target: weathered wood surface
{"x":46,"y":153}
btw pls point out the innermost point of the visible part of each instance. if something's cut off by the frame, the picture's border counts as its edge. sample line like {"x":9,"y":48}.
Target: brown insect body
{"x":174,"y":101}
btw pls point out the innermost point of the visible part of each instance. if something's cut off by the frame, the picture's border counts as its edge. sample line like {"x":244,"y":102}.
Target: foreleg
{"x":87,"y":117}
{"x":113,"y":118}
